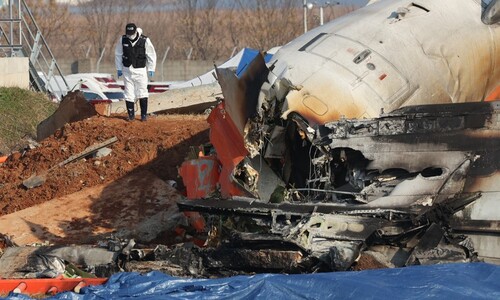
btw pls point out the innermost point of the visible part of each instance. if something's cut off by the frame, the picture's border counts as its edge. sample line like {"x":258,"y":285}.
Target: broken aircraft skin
{"x":411,"y":186}
{"x":386,"y":55}
{"x":345,"y":124}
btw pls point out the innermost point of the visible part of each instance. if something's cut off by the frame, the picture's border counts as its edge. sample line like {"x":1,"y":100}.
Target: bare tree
{"x":198,"y":27}
{"x":212,"y":28}
{"x":270,"y":22}
{"x":56,"y":24}
{"x":106,"y":20}
{"x":51,"y":17}
{"x":159,"y":25}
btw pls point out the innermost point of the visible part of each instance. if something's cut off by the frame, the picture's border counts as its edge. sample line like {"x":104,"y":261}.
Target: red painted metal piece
{"x":46,"y":285}
{"x":200,"y":176}
{"x":495,"y":95}
{"x":195,"y":220}
{"x":230,"y":149}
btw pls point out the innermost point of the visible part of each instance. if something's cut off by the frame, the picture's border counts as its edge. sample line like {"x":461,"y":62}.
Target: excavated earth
{"x":159,"y":145}
{"x":131,"y":179}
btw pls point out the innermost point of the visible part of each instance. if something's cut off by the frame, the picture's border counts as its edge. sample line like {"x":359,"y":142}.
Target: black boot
{"x":143,"y":102}
{"x":130,"y":110}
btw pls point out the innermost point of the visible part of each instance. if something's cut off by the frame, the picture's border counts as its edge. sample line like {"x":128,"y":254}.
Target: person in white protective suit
{"x":135,"y":59}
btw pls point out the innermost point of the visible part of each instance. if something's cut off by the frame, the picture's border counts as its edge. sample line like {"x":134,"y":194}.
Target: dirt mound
{"x":158,"y":146}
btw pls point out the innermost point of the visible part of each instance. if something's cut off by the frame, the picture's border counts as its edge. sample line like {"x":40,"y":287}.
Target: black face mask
{"x":133,"y":37}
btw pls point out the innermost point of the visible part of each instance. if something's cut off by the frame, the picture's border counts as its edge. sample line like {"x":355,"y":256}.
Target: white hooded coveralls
{"x":136,"y":79}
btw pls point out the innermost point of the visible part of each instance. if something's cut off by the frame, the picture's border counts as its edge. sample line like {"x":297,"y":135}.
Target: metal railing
{"x":23,"y":38}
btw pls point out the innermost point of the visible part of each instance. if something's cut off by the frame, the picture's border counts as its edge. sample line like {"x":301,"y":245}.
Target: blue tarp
{"x":448,"y":281}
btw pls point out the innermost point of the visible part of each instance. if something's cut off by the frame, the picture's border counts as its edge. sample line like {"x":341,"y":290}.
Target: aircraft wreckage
{"x":355,"y":141}
{"x":417,"y":185}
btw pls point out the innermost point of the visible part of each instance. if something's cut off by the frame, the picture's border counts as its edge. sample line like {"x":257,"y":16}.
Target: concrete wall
{"x":14,"y":71}
{"x":173,"y":70}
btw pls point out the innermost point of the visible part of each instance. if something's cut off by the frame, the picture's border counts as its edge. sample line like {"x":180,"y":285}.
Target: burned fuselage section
{"x":338,"y":148}
{"x":385,"y":187}
{"x":414,"y":155}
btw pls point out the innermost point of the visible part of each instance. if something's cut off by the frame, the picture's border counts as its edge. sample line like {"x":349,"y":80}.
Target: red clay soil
{"x":159,"y":145}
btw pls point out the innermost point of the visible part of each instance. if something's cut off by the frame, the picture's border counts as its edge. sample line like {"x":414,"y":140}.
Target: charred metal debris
{"x":391,"y":191}
{"x":413,"y":186}
{"x":395,"y":189}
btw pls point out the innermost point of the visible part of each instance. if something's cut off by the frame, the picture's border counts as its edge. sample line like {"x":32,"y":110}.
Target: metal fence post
{"x":100,"y":58}
{"x":163,"y":61}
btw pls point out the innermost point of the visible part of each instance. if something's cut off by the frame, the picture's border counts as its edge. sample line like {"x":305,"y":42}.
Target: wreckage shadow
{"x":139,"y":205}
{"x":42,"y":232}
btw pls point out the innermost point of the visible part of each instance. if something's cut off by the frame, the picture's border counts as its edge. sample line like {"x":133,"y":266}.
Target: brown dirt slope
{"x":158,"y":146}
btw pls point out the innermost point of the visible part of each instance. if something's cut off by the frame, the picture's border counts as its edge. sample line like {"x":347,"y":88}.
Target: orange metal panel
{"x":46,"y":285}
{"x":195,"y":220}
{"x":200,"y":176}
{"x":495,"y":95}
{"x":230,"y":148}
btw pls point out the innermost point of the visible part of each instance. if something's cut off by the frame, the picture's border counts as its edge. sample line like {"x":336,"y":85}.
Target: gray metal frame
{"x":24,"y":39}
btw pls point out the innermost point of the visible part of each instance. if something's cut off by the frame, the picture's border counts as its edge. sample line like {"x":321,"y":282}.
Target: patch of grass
{"x":20,"y":113}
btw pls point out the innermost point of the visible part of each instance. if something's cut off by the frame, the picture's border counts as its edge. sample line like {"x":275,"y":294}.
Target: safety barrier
{"x":47,"y":286}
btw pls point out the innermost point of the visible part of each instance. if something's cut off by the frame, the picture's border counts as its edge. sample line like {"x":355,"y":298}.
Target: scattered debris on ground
{"x":104,"y":204}
{"x":258,"y":193}
{"x":88,"y":196}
